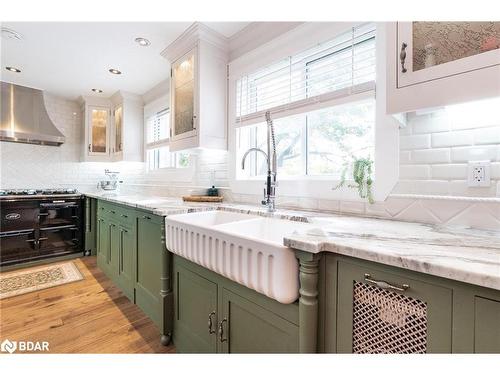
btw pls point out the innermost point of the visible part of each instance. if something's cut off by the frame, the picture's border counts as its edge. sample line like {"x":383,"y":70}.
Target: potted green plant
{"x":361,"y":175}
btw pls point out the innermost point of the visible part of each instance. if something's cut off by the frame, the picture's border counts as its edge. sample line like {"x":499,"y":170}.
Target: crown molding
{"x":197,"y":31}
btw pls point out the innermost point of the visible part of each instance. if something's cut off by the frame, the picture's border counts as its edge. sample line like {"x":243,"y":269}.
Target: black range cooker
{"x":38,"y":224}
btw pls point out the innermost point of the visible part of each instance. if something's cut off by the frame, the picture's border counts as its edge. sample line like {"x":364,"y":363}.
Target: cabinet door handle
{"x":121,"y":252}
{"x":384,"y":284}
{"x":146,"y":217}
{"x":221,"y":330}
{"x":402,"y":57}
{"x":90,"y":148}
{"x":210,"y":323}
{"x":125,"y":216}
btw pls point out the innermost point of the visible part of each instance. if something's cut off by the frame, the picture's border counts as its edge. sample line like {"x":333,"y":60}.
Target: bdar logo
{"x":8,"y":346}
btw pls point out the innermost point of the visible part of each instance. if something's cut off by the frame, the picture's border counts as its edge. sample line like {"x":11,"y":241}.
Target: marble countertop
{"x":462,"y":254}
{"x":162,"y":206}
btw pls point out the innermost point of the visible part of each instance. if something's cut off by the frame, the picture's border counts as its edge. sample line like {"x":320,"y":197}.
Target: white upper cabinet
{"x":183,"y":88}
{"x":113,"y":128}
{"x":128,"y":124}
{"x":433,"y":64}
{"x":198,"y":89}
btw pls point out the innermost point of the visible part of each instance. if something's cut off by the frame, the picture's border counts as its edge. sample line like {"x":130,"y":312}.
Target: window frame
{"x":304,"y":129}
{"x":386,"y":130}
{"x":152,"y":109}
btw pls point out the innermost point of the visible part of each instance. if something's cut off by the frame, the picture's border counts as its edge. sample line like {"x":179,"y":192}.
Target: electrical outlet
{"x":479,"y":174}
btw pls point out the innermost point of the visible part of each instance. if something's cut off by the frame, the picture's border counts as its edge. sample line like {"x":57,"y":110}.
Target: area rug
{"x":18,"y":282}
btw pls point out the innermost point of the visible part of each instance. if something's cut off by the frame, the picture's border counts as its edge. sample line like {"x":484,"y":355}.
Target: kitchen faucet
{"x":270,"y":189}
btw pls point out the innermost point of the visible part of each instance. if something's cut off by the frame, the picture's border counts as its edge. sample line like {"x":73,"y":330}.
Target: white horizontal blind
{"x":158,"y":128}
{"x":340,"y":67}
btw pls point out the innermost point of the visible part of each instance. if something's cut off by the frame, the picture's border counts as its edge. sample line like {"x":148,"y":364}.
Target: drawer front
{"x":103,"y":209}
{"x":381,"y":312}
{"x":125,"y":216}
{"x":122,"y":215}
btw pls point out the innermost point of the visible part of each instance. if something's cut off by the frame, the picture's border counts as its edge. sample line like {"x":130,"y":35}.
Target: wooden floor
{"x":87,"y":316}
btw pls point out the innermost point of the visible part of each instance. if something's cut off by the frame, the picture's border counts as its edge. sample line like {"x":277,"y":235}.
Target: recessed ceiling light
{"x":143,"y":42}
{"x":97,"y":90}
{"x":11,"y":34}
{"x":12,"y":69}
{"x":114,"y":71}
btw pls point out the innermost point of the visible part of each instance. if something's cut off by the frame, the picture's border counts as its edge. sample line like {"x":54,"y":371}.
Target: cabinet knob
{"x":221,"y":330}
{"x":90,"y":147}
{"x":402,"y":57}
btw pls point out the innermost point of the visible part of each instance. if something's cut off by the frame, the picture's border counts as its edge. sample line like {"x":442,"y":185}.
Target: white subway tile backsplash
{"x":466,"y":154}
{"x":352,"y":207}
{"x":328,"y":205}
{"x":449,"y":139}
{"x":449,"y":171}
{"x":413,"y":142}
{"x":414,"y":172}
{"x":487,"y":136}
{"x":431,"y":156}
{"x":495,"y":171}
{"x":430,"y":123}
{"x":433,"y":160}
{"x":405,"y":157}
{"x":469,"y":121}
{"x":461,"y":188}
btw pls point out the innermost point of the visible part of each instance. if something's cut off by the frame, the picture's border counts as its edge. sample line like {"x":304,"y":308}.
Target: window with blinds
{"x":322,"y":103}
{"x":340,"y":67}
{"x":158,"y":127}
{"x":157,"y":143}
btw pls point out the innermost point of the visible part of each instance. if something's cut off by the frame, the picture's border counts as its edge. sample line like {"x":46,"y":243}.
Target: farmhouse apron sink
{"x":244,"y":248}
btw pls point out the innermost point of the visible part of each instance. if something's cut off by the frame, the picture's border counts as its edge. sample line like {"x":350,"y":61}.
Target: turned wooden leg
{"x":166,"y":295}
{"x":308,"y":301}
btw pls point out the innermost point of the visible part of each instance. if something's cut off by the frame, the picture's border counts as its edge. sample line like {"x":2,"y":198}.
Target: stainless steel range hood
{"x":24,"y":118}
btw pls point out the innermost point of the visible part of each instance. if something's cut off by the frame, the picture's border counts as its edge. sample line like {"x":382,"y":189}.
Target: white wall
{"x":35,"y":166}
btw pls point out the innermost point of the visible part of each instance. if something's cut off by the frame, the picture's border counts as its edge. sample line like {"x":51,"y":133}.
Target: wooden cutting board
{"x":201,"y":198}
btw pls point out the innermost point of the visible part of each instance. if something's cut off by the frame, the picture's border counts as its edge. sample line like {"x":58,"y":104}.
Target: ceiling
{"x":69,"y":59}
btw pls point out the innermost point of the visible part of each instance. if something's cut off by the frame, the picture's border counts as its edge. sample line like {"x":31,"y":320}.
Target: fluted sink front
{"x":244,"y":248}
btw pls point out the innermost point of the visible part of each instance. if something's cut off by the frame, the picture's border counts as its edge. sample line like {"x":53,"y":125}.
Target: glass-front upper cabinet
{"x":433,"y":50}
{"x":184,"y":116}
{"x":118,"y":130}
{"x":98,"y":130}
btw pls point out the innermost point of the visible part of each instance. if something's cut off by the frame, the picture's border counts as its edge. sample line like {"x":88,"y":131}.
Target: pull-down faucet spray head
{"x":251,"y":150}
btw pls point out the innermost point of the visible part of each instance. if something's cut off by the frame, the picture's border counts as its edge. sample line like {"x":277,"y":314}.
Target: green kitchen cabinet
{"x":246,"y":327}
{"x":148,"y":269}
{"x":103,"y":244}
{"x":123,"y":241}
{"x":432,"y":314}
{"x":130,"y":249}
{"x":379,"y":311}
{"x":114,"y":250}
{"x":195,"y":301}
{"x":90,"y":226}
{"x":486,"y":325}
{"x":214,"y":314}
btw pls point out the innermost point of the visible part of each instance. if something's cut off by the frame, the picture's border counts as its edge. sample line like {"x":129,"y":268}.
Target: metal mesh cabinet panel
{"x":387,"y":322}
